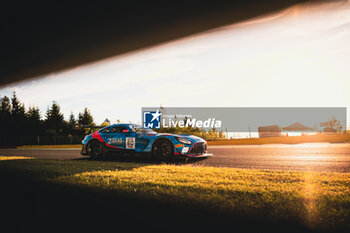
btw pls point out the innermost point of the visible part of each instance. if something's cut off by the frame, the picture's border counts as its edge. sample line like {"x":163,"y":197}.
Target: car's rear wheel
{"x":95,"y":149}
{"x":163,"y":150}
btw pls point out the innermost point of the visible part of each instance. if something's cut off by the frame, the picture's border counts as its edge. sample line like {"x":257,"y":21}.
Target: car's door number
{"x":130,"y":143}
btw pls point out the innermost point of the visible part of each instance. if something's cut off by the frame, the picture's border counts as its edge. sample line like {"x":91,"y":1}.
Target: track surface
{"x":323,"y":157}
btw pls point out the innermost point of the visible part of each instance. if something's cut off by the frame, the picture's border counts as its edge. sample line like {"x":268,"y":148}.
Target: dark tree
{"x":18,"y":110}
{"x":85,"y":118}
{"x":34,"y":124}
{"x":5,"y":115}
{"x":54,"y":122}
{"x":72,"y":121}
{"x":5,"y":106}
{"x":18,"y":117}
{"x":33,"y":114}
{"x":72,"y":125}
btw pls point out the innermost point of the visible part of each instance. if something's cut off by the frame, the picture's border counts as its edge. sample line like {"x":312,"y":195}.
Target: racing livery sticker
{"x":185,"y":149}
{"x":130,"y":143}
{"x":115,"y":141}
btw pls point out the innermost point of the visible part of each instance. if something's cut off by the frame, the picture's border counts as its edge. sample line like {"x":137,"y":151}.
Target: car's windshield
{"x":138,"y":129}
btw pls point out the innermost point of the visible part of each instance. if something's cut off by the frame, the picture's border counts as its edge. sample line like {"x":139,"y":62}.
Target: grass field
{"x":317,"y":200}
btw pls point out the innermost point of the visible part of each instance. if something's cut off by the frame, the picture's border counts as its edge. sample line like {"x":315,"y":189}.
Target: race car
{"x":133,"y":138}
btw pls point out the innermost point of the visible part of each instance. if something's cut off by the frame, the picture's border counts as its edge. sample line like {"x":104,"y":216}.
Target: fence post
{"x":38,"y":140}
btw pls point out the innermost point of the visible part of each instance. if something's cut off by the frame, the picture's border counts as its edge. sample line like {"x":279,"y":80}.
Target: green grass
{"x":319,"y":200}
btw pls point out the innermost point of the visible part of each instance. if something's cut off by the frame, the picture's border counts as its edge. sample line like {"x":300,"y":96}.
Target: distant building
{"x":297,"y":126}
{"x":297,"y":129}
{"x":269,"y":131}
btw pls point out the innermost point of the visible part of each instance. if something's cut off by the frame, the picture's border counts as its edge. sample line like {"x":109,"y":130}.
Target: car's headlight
{"x":184,"y":141}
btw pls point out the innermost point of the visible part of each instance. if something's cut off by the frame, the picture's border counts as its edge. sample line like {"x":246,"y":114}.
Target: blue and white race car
{"x":133,"y":138}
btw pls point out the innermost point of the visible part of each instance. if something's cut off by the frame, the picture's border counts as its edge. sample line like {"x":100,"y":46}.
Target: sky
{"x":297,"y":57}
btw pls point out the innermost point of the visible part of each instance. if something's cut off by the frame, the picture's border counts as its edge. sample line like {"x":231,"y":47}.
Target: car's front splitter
{"x":199,"y":156}
{"x":194,"y":155}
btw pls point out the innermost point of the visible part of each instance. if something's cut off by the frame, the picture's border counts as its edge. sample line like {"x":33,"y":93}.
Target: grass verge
{"x":317,"y":200}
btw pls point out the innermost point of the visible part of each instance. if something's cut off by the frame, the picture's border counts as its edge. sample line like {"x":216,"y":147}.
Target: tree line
{"x":16,"y":120}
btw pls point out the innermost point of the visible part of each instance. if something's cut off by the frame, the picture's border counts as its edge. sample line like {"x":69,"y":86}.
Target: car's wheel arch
{"x":95,"y":140}
{"x":162,"y":138}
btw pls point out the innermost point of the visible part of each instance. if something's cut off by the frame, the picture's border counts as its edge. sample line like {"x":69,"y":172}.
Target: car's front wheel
{"x":163,"y":150}
{"x":95,"y":149}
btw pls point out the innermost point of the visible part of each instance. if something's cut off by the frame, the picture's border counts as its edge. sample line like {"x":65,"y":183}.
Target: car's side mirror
{"x":126,"y":131}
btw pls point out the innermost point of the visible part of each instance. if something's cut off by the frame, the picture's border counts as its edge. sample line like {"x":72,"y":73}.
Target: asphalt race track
{"x":324,"y":157}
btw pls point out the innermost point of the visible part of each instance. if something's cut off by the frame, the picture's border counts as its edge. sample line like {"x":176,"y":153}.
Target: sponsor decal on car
{"x":185,"y":149}
{"x":179,"y":145}
{"x":115,"y":141}
{"x":130,"y":143}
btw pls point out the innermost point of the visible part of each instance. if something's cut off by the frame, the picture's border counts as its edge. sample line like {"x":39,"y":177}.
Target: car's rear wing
{"x":92,"y":127}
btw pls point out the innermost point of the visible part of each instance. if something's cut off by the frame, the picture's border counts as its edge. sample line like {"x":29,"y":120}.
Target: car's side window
{"x":106,"y":130}
{"x":117,"y":129}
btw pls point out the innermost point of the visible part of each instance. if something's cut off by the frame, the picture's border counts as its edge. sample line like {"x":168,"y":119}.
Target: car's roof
{"x":123,"y":124}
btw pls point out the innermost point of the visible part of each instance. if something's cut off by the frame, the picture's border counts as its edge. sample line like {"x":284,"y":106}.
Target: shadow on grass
{"x":32,"y":204}
{"x":144,"y":160}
